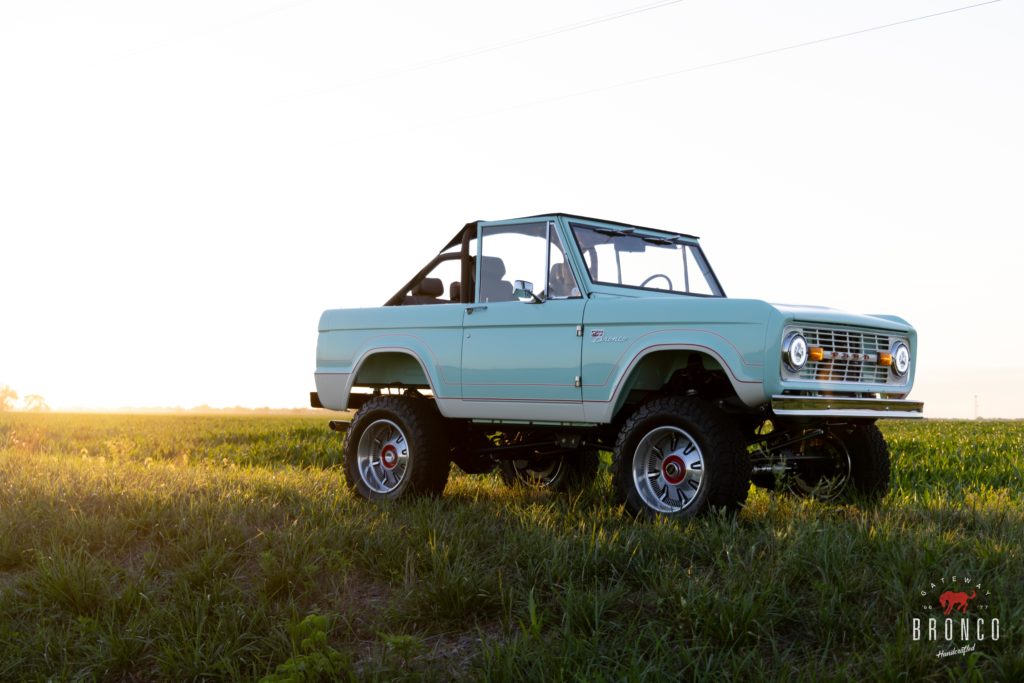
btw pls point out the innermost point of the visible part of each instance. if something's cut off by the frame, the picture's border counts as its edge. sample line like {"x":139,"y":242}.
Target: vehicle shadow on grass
{"x":791,"y":580}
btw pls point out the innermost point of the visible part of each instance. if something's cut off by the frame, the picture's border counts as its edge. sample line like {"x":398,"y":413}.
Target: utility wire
{"x":512,"y":42}
{"x":765,"y":53}
{"x":566,"y":28}
{"x":691,"y":69}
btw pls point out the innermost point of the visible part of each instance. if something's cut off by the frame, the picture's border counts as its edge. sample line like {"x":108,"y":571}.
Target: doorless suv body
{"x":531,"y":344}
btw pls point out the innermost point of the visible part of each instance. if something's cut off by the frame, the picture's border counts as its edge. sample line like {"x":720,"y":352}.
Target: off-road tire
{"x":425,"y":464}
{"x":725,"y":465}
{"x":870,"y":464}
{"x":466,"y":450}
{"x":860,"y":467}
{"x":572,"y":473}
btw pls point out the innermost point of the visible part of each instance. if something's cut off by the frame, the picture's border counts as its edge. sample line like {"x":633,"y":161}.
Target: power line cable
{"x":698,"y":67}
{"x":566,"y":28}
{"x":456,"y":56}
{"x":773,"y":51}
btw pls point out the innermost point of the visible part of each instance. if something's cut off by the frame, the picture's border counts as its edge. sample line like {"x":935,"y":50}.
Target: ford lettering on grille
{"x":849,"y":356}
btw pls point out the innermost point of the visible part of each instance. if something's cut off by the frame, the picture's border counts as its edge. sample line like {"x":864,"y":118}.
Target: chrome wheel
{"x":822,"y":469}
{"x":668,"y":469}
{"x":562,"y":471}
{"x":382,"y":456}
{"x":539,"y":473}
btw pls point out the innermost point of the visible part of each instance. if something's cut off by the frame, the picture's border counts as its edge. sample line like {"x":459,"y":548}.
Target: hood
{"x":823,"y":314}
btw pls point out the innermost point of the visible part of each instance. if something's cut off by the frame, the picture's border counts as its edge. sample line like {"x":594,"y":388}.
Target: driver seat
{"x":492,"y":286}
{"x":561,"y":284}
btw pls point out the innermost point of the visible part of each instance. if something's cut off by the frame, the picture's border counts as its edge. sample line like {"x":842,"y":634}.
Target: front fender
{"x":618,"y":335}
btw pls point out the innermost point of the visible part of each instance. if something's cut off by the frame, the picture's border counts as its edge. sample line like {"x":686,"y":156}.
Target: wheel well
{"x":391,"y":369}
{"x":676,"y":372}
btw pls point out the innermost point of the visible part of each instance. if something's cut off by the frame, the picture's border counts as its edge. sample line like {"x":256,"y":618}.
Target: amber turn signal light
{"x":885,"y":359}
{"x":816,"y":353}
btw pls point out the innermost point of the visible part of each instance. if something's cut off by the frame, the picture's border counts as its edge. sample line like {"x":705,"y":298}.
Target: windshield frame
{"x":673,"y":237}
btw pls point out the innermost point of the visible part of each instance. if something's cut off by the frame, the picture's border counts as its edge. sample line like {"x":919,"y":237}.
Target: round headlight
{"x":794,"y":351}
{"x":900,"y":358}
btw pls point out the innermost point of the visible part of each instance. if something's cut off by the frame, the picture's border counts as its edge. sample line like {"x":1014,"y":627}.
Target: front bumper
{"x":829,"y":406}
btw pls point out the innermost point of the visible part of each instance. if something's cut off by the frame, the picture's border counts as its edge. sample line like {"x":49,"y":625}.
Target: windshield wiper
{"x":657,"y":240}
{"x":612,"y":232}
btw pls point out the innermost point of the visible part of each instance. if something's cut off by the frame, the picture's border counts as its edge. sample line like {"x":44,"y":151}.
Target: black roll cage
{"x":466,"y":290}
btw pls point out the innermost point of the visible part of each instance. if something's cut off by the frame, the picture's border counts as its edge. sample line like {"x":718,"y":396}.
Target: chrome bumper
{"x":828,"y":406}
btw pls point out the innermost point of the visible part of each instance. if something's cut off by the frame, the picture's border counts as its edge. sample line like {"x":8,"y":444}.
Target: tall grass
{"x":204,"y":548}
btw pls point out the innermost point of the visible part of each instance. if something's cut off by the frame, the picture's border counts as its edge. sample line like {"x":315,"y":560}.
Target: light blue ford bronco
{"x":529,"y":345}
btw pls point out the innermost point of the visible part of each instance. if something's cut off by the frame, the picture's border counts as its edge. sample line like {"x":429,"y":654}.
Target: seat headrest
{"x":429,"y":286}
{"x":560,"y":271}
{"x":492,"y":267}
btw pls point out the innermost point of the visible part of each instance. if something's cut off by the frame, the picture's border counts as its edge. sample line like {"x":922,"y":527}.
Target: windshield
{"x":663,"y":262}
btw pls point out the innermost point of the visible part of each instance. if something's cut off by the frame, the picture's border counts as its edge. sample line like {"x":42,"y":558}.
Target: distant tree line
{"x":32,"y":402}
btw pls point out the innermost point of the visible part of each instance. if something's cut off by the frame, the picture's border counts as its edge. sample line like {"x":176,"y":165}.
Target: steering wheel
{"x":655,"y":276}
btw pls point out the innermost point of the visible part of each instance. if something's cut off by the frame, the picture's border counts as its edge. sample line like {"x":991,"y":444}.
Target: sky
{"x":185,"y":186}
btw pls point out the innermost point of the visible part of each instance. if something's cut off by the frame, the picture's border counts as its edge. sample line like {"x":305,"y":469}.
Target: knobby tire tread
{"x":725,"y":455}
{"x":423,"y":428}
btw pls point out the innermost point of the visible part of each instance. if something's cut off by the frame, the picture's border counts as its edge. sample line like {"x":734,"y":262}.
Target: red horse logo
{"x":951,"y":601}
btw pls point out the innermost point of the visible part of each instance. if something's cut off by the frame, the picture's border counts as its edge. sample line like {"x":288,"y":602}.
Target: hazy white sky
{"x":184,"y":186}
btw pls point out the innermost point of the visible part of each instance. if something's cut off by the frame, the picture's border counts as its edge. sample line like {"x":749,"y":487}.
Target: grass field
{"x":183,"y":548}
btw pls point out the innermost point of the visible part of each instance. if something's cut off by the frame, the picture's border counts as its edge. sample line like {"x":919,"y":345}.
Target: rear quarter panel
{"x":347,"y":337}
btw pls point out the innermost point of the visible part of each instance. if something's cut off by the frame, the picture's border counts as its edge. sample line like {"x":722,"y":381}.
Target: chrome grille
{"x":844,"y":370}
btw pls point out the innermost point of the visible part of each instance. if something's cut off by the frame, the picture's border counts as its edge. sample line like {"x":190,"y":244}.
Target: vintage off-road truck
{"x":532,"y":344}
